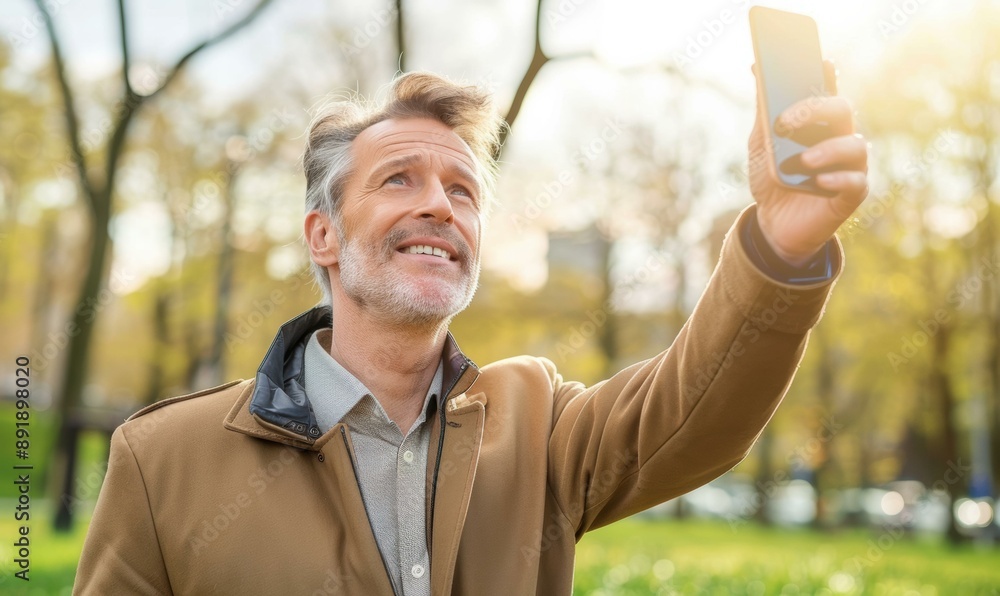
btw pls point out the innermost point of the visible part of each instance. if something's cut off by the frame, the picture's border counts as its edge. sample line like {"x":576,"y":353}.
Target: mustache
{"x":442,"y":231}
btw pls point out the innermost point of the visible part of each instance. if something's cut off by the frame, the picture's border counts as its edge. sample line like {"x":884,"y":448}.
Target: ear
{"x":321,"y":238}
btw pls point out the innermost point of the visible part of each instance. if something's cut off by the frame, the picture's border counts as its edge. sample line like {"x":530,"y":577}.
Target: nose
{"x":434,"y":204}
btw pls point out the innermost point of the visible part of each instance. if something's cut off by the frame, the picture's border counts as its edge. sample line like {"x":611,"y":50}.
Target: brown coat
{"x":204,"y":497}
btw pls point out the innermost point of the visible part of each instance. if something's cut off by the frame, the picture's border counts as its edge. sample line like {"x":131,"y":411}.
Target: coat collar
{"x":275,"y":406}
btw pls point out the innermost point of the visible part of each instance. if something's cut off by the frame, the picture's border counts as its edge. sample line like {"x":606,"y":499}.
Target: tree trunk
{"x":825,"y":395}
{"x":608,"y":335}
{"x":160,"y":320}
{"x":216,"y":359}
{"x":765,"y":476}
{"x":77,"y":361}
{"x":42,"y":302}
{"x":948,"y":436}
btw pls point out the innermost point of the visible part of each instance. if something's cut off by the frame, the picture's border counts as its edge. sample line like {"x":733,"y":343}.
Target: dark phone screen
{"x":791,"y":66}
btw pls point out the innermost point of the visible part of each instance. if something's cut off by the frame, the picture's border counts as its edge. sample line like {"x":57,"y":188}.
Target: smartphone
{"x":790,"y":65}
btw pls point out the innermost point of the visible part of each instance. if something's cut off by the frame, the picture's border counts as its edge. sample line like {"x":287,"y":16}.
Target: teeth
{"x":423,"y":249}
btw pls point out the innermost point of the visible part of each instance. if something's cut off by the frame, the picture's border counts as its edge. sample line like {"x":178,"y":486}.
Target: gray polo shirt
{"x":392,"y":465}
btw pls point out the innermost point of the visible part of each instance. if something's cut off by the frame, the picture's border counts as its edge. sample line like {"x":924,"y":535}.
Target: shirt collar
{"x":333,"y":391}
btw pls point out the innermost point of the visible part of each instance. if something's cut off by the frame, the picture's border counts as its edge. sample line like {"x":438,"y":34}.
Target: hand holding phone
{"x":808,"y":170}
{"x":790,"y":65}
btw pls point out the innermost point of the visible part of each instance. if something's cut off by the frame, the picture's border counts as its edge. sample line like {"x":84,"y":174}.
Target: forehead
{"x":395,"y":137}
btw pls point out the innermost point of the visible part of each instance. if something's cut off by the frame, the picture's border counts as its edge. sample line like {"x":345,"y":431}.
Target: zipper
{"x":350,"y":456}
{"x":437,"y":461}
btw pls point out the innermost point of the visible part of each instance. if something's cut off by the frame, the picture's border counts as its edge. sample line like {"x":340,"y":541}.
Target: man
{"x":370,"y":456}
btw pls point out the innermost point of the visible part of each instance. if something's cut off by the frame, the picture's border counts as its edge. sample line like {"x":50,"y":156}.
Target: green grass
{"x":666,"y":557}
{"x":91,"y":458}
{"x":697,"y":557}
{"x":53,"y":555}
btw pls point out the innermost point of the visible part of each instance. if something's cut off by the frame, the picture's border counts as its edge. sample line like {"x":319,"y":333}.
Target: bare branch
{"x":126,"y":62}
{"x":246,"y":20}
{"x":72,"y":120}
{"x":538,"y":60}
{"x":400,"y":36}
{"x":675,"y":71}
{"x":133,"y":101}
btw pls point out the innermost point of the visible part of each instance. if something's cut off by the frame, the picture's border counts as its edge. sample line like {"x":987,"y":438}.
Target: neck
{"x":396,"y":362}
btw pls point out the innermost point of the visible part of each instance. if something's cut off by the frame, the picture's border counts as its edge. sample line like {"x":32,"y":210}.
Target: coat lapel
{"x":358,"y":558}
{"x":463,"y":436}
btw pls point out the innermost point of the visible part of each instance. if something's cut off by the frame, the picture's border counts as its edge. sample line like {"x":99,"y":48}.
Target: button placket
{"x":413,"y":557}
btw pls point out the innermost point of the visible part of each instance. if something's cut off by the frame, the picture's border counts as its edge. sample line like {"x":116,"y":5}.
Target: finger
{"x":830,"y":76}
{"x":760,"y":91}
{"x":839,"y":153}
{"x":809,"y":134}
{"x":806,"y":119}
{"x":852,"y":184}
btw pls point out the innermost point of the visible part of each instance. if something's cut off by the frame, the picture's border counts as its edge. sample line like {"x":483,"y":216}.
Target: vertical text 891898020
{"x":22,"y":472}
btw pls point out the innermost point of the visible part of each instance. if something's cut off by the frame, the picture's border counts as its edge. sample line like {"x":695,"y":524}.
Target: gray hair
{"x":468,"y":110}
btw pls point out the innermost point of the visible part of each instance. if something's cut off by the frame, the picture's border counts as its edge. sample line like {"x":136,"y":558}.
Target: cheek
{"x":472,"y":232}
{"x":370,"y":225}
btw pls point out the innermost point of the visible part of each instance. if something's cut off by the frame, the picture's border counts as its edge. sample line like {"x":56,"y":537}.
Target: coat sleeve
{"x":667,"y":425}
{"x":121,"y":554}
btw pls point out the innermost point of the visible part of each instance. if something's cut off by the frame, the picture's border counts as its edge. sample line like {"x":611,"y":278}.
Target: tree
{"x":98,"y":191}
{"x":944,"y":116}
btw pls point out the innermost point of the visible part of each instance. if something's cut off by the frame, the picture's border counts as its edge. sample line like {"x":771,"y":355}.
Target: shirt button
{"x":417,"y":571}
{"x":408,"y":458}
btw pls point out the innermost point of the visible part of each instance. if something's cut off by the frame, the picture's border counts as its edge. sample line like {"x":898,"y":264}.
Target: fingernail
{"x":812,"y":157}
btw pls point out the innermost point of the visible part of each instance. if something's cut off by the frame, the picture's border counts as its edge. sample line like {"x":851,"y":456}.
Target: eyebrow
{"x":406,"y":161}
{"x":398,"y":163}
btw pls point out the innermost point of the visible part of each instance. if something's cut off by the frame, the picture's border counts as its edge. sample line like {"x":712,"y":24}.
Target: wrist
{"x":815,"y":268}
{"x":797,"y":258}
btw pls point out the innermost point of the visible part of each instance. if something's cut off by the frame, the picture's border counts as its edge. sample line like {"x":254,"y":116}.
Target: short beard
{"x":372,"y":285}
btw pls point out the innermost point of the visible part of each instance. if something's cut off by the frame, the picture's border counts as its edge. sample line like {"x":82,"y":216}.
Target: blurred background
{"x":150,"y":245}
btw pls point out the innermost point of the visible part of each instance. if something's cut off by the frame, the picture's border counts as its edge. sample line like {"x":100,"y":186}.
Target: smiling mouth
{"x":423,"y":249}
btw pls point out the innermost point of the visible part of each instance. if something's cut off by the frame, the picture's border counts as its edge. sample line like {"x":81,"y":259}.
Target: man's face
{"x":409,"y":223}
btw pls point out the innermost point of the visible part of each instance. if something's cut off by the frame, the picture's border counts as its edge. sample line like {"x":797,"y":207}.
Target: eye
{"x":461,"y":190}
{"x":396,"y":179}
